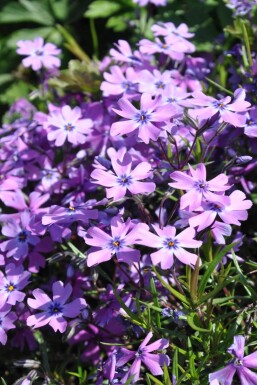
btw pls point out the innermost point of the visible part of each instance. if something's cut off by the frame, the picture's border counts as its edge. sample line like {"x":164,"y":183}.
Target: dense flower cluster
{"x":114,"y":195}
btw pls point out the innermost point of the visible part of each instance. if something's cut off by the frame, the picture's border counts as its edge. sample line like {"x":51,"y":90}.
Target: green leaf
{"x":134,"y":318}
{"x":176,"y":293}
{"x":102,"y":9}
{"x":3,"y":381}
{"x":26,"y":11}
{"x":166,"y":377}
{"x":27,"y":34}
{"x":192,"y":320}
{"x":175,"y":364}
{"x":129,"y":380}
{"x":212,"y":266}
{"x":154,"y":379}
{"x":15,"y":91}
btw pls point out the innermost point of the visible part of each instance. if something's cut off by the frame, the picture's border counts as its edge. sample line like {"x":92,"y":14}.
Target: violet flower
{"x":39,"y":54}
{"x":170,"y":245}
{"x":123,"y":236}
{"x":232,"y":113}
{"x":143,"y":355}
{"x":54,"y":311}
{"x":12,"y":283}
{"x":21,"y":237}
{"x":7,"y":319}
{"x":67,"y":124}
{"x":124,"y":178}
{"x":198,"y":187}
{"x":151,"y":111}
{"x":239,"y":365}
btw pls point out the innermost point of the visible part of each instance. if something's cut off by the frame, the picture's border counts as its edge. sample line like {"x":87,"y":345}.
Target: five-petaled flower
{"x":67,"y":124}
{"x":54,"y":311}
{"x":39,"y":54}
{"x":239,"y":365}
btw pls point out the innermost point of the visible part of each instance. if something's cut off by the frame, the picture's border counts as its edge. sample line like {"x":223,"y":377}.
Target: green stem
{"x":94,"y":37}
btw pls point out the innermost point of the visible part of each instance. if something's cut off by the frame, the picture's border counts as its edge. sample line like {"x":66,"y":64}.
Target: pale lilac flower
{"x":153,"y":83}
{"x":39,"y":54}
{"x":239,"y":365}
{"x":7,"y":319}
{"x":232,"y":113}
{"x":123,"y":236}
{"x":54,"y":311}
{"x":166,"y":29}
{"x":124,"y":177}
{"x":143,"y":355}
{"x":170,"y":245}
{"x":231,"y":212}
{"x":67,"y":124}
{"x":151,"y":111}
{"x":174,"y":48}
{"x":198,"y":187}
{"x":117,"y":82}
{"x":11,"y":284}
{"x":124,"y":53}
{"x":219,"y":230}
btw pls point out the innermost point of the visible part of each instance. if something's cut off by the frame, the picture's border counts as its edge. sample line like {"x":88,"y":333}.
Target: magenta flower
{"x":54,"y":311}
{"x":124,"y":178}
{"x":231,"y":211}
{"x":197,"y":186}
{"x":170,"y":245}
{"x":143,"y":355}
{"x":151,"y":111}
{"x":232,"y":113}
{"x":123,"y":236}
{"x":67,"y":124}
{"x":12,"y":283}
{"x":39,"y":54}
{"x":239,"y":365}
{"x":7,"y":319}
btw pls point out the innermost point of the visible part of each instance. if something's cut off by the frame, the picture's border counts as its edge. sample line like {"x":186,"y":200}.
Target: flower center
{"x":201,"y":186}
{"x":22,"y":237}
{"x":238,"y":362}
{"x":142,"y":117}
{"x":55,"y":308}
{"x":125,"y":180}
{"x":160,"y":85}
{"x":69,"y":127}
{"x":39,"y":52}
{"x":170,"y":243}
{"x":71,"y":208}
{"x":10,"y":287}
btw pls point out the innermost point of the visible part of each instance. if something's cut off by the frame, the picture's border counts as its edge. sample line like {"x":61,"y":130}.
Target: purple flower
{"x":227,"y":112}
{"x":21,"y":237}
{"x":119,"y":83}
{"x":123,"y":236}
{"x":124,"y":53}
{"x":198,"y":187}
{"x":7,"y":319}
{"x":170,"y":245}
{"x":231,"y":212}
{"x":143,"y":355}
{"x":54,"y":311}
{"x":67,"y":124}
{"x":39,"y":55}
{"x":124,"y":178}
{"x":151,"y":111}
{"x":12,"y":283}
{"x":239,"y":365}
